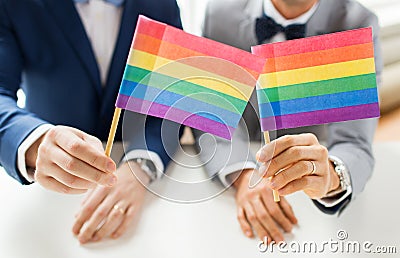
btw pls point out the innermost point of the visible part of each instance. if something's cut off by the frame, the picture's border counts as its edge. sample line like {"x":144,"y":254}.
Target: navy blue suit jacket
{"x":45,"y":51}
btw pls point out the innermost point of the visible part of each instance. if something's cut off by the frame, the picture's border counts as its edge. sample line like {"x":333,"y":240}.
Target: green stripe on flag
{"x":160,"y":81}
{"x":318,"y":88}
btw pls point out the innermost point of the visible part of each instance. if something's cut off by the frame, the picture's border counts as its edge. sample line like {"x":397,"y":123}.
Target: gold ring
{"x":314,"y":168}
{"x":116,"y":207}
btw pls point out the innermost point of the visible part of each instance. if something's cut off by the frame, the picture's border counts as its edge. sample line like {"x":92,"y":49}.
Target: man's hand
{"x":257,"y":210}
{"x":292,"y":157}
{"x":109,"y":211}
{"x":70,"y":161}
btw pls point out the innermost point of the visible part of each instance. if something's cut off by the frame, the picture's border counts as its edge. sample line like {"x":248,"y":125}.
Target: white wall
{"x":387,"y":11}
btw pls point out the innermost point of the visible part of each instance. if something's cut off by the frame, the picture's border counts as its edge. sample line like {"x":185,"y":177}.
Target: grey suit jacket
{"x":233,"y":22}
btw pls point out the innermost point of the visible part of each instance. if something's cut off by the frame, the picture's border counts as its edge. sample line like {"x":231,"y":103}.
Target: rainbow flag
{"x":318,"y":80}
{"x":187,"y":79}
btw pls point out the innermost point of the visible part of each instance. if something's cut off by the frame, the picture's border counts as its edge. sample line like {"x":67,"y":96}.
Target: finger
{"x":123,"y":227}
{"x":98,"y":217}
{"x":89,"y":208}
{"x":87,"y":196}
{"x":287,"y":209}
{"x":267,"y":222}
{"x":94,"y":141}
{"x":81,"y":169}
{"x":304,"y":183}
{"x":68,"y":179}
{"x":291,"y":156}
{"x":296,"y":171}
{"x":279,"y":145}
{"x":255,"y":223}
{"x":244,"y":224}
{"x":275,"y":211}
{"x":52,"y":184}
{"x":84,"y":151}
{"x":114,"y":219}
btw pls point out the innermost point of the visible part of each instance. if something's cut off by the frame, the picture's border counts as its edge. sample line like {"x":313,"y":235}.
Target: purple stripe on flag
{"x":174,"y":114}
{"x":320,"y":117}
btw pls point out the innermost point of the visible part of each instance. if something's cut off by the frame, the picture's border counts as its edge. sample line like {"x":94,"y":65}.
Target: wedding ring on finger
{"x":116,"y":207}
{"x":314,"y":168}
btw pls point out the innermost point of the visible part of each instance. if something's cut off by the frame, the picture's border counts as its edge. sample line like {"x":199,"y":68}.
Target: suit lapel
{"x":122,"y":47}
{"x":247,"y":25}
{"x":68,"y":20}
{"x":254,"y":9}
{"x":326,"y":18}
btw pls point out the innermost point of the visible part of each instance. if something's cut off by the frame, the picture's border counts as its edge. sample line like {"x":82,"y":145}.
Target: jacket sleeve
{"x":352,"y":141}
{"x":15,"y":123}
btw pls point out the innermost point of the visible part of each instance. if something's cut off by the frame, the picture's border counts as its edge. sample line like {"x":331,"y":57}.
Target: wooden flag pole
{"x":267,"y":140}
{"x":113,"y":130}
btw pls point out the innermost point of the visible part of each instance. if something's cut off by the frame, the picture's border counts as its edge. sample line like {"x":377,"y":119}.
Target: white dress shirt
{"x":101,"y":21}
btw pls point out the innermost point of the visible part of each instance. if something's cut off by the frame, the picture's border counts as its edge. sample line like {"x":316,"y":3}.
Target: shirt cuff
{"x":25,"y":145}
{"x":145,"y":154}
{"x":330,"y":202}
{"x":224,"y":174}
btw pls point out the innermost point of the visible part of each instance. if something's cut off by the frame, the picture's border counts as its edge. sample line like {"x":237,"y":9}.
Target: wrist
{"x":32,"y":153}
{"x":335,"y":180}
{"x":244,"y":175}
{"x":134,"y":169}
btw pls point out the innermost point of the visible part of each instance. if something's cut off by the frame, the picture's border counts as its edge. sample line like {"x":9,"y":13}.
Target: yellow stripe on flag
{"x":317,"y":73}
{"x":190,"y":74}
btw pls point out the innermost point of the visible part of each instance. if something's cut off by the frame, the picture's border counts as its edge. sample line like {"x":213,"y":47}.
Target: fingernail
{"x":110,"y":167}
{"x":112,"y":180}
{"x":114,"y":236}
{"x":259,"y":155}
{"x":96,"y":238}
{"x":248,"y":233}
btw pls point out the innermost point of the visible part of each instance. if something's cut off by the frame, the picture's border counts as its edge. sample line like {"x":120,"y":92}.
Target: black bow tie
{"x":266,"y":28}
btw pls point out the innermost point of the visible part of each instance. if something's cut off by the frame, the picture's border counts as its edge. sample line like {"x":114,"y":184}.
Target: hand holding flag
{"x":316,"y":80}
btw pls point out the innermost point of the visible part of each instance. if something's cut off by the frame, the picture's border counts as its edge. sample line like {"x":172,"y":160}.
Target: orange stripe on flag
{"x":317,"y":58}
{"x":173,"y":52}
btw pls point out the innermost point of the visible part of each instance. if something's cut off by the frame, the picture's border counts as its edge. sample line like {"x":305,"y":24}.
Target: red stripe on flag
{"x":214,"y":48}
{"x":150,"y":27}
{"x":316,"y":43}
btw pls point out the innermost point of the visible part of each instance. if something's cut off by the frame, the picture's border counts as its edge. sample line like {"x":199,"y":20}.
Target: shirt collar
{"x":272,"y":12}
